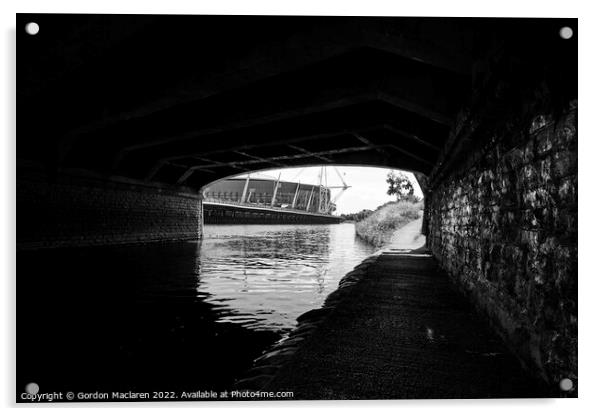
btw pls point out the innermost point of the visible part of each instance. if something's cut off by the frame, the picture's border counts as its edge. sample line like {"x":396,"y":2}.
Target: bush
{"x":378,"y":228}
{"x":358,"y":216}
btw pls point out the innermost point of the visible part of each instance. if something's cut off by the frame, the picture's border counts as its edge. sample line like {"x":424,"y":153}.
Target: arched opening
{"x":278,"y":241}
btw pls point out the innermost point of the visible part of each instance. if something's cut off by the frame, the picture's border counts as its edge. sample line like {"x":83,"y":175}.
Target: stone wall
{"x":503,"y":224}
{"x":81,"y":211}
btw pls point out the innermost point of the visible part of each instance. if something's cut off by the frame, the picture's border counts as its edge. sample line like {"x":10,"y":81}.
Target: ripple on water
{"x":263,"y":277}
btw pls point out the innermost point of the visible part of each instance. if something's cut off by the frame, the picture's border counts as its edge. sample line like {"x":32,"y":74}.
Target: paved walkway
{"x":402,"y":332}
{"x":409,"y":237}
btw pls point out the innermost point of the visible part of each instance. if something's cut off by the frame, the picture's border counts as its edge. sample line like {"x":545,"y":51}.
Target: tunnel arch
{"x":290,"y":90}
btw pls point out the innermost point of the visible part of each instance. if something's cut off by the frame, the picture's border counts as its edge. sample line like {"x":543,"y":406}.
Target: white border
{"x":590,"y":201}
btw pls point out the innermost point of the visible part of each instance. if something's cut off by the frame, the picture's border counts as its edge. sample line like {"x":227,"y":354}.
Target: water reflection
{"x":171,"y":316}
{"x":266,"y":276}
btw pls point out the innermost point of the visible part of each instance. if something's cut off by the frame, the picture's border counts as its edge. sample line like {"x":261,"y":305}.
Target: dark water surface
{"x":172,"y":316}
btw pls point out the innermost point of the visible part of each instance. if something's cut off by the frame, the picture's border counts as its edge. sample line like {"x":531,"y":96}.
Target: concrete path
{"x":400,"y":331}
{"x":408,"y":237}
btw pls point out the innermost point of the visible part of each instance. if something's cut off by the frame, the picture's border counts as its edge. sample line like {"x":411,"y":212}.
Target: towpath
{"x":401,"y":331}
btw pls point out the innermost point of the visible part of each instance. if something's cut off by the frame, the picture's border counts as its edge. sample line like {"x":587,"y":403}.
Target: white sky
{"x":368,"y":185}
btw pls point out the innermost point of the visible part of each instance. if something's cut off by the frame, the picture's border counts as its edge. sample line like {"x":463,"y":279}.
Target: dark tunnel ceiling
{"x":189,"y":99}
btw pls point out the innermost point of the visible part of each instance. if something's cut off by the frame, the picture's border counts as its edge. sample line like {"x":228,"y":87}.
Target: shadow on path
{"x":401,"y":331}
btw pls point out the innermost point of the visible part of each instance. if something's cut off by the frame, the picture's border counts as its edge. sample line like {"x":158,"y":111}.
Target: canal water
{"x":264,"y":277}
{"x":175,"y":316}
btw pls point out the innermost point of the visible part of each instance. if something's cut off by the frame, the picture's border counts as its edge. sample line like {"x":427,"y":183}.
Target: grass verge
{"x":378,"y":228}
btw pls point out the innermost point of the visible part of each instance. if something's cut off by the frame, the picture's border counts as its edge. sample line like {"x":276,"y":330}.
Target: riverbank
{"x":379,"y":228}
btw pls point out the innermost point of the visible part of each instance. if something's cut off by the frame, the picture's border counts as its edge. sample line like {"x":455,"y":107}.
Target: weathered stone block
{"x":544,"y":142}
{"x":539,"y":122}
{"x":567,"y":191}
{"x":564,"y":163}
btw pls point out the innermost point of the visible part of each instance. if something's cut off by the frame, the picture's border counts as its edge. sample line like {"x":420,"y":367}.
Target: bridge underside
{"x":188,"y":100}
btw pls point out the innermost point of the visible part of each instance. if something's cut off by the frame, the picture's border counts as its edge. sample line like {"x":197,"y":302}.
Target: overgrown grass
{"x":378,"y":228}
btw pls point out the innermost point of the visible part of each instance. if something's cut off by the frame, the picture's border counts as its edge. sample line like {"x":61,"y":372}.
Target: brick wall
{"x":504,"y":226}
{"x":79,"y":211}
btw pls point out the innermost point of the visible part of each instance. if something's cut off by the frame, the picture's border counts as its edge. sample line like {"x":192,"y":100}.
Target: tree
{"x":399,"y":185}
